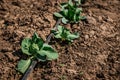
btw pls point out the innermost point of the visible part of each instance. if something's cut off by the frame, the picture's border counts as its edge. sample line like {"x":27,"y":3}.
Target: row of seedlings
{"x":38,"y":50}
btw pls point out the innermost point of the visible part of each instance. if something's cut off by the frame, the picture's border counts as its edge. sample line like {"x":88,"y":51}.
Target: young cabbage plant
{"x":70,"y":13}
{"x":64,"y":34}
{"x":35,"y":48}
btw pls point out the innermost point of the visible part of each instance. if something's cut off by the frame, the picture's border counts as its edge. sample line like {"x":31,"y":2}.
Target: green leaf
{"x":75,"y":20}
{"x":23,"y":65}
{"x":63,"y":5}
{"x":79,"y":2}
{"x":78,"y":10}
{"x":61,"y":33}
{"x":40,"y":56}
{"x":73,"y":36}
{"x":37,"y":42}
{"x":33,"y":48}
{"x":25,"y":46}
{"x":82,"y":17}
{"x":49,"y":52}
{"x":57,"y":36}
{"x":58,"y":15}
{"x":40,"y":43}
{"x":64,"y":20}
{"x":70,"y":3}
{"x":65,"y":12}
{"x":35,"y":37}
{"x":71,"y":14}
{"x":60,"y":29}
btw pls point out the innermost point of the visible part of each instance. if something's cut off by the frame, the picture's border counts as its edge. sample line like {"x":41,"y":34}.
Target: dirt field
{"x":94,"y":56}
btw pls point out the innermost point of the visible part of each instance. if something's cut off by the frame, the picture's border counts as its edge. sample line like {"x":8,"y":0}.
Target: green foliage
{"x":23,"y":65}
{"x":64,"y":34}
{"x":70,"y":13}
{"x":36,"y":49}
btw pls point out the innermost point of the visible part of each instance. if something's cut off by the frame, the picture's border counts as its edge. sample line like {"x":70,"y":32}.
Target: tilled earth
{"x":94,"y":56}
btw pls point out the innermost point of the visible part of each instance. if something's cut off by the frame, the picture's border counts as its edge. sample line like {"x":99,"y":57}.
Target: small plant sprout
{"x":35,"y":48}
{"x":64,"y":34}
{"x":70,"y":13}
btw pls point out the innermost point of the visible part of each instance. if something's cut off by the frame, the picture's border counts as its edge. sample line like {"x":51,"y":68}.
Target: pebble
{"x":92,"y":33}
{"x":86,"y":37}
{"x":109,"y":19}
{"x":91,"y":20}
{"x":100,"y":18}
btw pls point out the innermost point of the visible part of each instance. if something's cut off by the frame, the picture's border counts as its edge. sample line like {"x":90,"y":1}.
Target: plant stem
{"x":33,"y":64}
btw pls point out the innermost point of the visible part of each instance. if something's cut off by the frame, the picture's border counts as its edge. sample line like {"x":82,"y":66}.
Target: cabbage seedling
{"x":70,"y":13}
{"x":35,"y":48}
{"x":64,"y":34}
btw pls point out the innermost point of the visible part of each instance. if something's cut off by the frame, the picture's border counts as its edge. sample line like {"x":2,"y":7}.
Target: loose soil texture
{"x":94,"y":56}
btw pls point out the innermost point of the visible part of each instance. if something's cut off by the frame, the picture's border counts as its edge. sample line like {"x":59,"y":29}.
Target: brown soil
{"x":94,"y":56}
